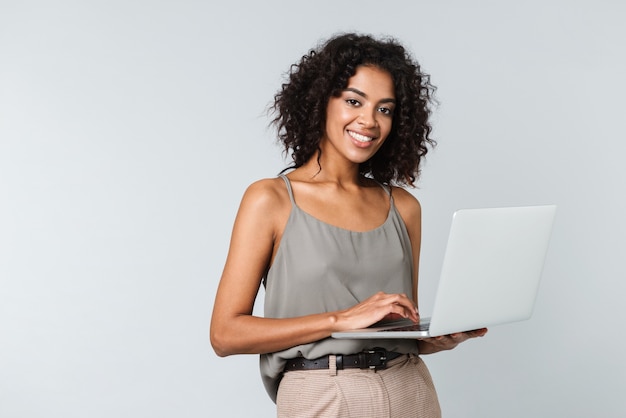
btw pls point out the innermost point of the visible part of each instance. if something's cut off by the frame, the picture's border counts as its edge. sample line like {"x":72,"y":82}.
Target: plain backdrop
{"x":130,"y":129}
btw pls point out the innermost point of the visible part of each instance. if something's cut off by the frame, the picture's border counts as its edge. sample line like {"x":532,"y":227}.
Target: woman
{"x":336,"y":241}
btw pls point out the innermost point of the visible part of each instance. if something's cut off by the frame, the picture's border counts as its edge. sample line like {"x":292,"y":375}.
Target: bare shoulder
{"x":407,"y":204}
{"x":264,"y":191}
{"x":266,"y":198}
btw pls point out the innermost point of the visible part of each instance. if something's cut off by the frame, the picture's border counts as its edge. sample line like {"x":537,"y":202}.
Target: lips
{"x":359,"y":137}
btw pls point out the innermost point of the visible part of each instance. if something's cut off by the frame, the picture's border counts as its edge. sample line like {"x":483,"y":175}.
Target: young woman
{"x":336,"y":240}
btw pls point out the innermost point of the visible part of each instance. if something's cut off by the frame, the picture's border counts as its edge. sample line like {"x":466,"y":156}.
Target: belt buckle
{"x":365,"y":362}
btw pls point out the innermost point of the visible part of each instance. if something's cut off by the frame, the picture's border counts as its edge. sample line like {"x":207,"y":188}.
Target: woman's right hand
{"x":377,"y":307}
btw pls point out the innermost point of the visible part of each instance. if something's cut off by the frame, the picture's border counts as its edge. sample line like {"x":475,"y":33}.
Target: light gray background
{"x":130,"y":129}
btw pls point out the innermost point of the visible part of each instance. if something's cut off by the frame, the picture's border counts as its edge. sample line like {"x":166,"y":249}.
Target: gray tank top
{"x":321,"y":268}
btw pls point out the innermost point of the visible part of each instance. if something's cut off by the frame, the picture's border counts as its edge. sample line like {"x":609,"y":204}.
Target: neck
{"x":327,"y":169}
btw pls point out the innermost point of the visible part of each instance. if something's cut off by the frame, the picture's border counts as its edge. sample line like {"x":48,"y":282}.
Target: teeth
{"x":359,"y":137}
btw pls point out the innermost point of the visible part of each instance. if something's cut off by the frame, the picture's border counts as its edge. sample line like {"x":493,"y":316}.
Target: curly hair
{"x":300,"y":105}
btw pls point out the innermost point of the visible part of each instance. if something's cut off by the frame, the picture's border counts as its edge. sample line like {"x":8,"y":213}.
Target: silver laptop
{"x":490,"y":273}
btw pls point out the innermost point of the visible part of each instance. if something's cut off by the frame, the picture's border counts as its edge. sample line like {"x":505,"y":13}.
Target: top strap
{"x":387,"y":189}
{"x":289,"y":190}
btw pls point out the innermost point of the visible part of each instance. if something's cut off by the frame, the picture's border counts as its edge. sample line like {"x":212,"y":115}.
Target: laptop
{"x":490,"y":274}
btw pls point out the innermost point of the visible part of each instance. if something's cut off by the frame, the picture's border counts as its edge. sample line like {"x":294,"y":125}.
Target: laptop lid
{"x":490,"y":274}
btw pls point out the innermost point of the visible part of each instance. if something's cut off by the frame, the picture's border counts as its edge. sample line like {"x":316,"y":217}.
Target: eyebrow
{"x":362,"y":94}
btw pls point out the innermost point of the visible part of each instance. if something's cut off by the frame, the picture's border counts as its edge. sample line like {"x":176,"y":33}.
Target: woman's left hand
{"x":448,"y":342}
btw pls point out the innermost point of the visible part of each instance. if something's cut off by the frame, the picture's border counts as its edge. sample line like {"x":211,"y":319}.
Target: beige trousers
{"x":404,"y":389}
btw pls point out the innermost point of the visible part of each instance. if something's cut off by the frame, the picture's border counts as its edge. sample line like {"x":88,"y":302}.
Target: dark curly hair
{"x":300,"y":105}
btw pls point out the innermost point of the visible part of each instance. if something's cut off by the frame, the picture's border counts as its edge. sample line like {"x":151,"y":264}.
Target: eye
{"x":385,"y":111}
{"x":353,"y":102}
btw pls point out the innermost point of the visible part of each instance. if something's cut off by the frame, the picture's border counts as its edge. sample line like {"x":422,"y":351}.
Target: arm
{"x":411,"y":212}
{"x":258,"y":227}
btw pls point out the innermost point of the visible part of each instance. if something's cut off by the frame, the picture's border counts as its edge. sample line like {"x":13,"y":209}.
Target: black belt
{"x":376,"y":359}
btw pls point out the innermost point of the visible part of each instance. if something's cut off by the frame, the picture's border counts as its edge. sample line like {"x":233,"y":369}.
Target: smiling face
{"x":359,"y":120}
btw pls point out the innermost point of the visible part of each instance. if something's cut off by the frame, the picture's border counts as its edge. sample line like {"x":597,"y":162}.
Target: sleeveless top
{"x":322,"y":268}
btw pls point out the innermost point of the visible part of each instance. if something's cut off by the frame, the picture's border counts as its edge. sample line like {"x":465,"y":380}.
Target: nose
{"x":367,"y":119}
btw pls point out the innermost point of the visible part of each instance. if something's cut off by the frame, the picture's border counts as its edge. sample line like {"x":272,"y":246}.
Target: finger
{"x":403,"y":311}
{"x":477,"y":332}
{"x":393,"y":317}
{"x":408,"y":305}
{"x":480,"y":332}
{"x":395,"y":304}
